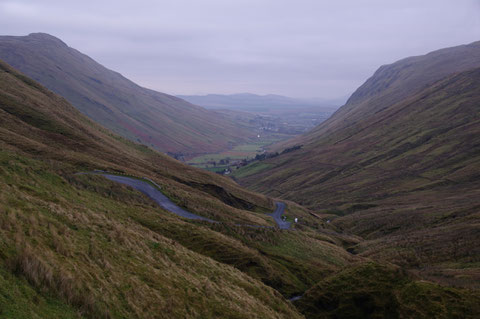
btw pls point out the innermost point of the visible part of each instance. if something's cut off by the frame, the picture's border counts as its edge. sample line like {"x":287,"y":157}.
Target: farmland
{"x":230,"y":159}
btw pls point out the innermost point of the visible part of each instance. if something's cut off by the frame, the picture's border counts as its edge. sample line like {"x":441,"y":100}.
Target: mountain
{"x":81,"y":246}
{"x":393,"y":83}
{"x":398,"y":165}
{"x":391,"y":294}
{"x":162,"y":121}
{"x":268,"y":114}
{"x":270,"y":103}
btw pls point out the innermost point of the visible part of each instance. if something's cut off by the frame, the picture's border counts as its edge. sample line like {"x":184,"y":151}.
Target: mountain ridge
{"x":259,"y":103}
{"x":156,"y":119}
{"x":81,"y":246}
{"x":62,"y":250}
{"x":399,"y":173}
{"x":396,"y":81}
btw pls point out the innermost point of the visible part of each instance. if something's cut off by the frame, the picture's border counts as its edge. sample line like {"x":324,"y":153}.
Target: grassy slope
{"x":390,"y":85}
{"x":385,"y":292}
{"x":99,"y":248}
{"x":405,"y":177}
{"x":39,"y":123}
{"x":156,"y":119}
{"x":19,"y":300}
{"x":81,"y":242}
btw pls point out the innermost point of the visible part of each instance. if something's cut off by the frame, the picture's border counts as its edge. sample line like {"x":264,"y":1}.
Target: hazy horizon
{"x":300,"y":49}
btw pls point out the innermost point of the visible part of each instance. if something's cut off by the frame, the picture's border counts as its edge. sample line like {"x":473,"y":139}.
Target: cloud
{"x":291,"y":47}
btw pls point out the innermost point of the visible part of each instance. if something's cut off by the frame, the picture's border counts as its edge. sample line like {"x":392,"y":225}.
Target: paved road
{"x":167,"y":204}
{"x":277,"y":215}
{"x":156,"y":195}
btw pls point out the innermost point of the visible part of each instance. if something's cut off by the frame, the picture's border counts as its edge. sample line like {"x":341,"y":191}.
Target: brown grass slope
{"x":406,"y":178}
{"x":81,"y":246}
{"x":164,"y":122}
{"x":125,"y":269}
{"x":391,"y":84}
{"x":385,"y":291}
{"x":40,"y":123}
{"x":84,"y":246}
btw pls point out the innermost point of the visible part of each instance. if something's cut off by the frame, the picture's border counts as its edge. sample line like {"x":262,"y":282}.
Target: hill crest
{"x":159,"y":120}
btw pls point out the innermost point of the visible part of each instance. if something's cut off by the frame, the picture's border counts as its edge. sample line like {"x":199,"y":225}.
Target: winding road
{"x":277,"y":216}
{"x":156,"y":195}
{"x":164,"y":202}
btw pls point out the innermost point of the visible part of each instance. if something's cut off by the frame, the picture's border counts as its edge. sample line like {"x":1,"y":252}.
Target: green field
{"x":238,"y":153}
{"x":251,"y":169}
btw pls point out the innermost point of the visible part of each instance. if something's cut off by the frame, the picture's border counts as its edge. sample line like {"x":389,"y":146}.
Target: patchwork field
{"x":232,"y":159}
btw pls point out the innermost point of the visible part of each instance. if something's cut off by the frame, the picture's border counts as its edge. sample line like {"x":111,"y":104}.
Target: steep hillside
{"x":392,"y":83}
{"x":164,"y":122}
{"x":402,"y":171}
{"x":384,"y":292}
{"x":75,"y":246}
{"x":82,"y":246}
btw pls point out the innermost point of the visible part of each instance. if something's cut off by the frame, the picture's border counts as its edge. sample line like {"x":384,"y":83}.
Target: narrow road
{"x":170,"y":206}
{"x":295,"y":298}
{"x":277,"y":216}
{"x":156,"y":195}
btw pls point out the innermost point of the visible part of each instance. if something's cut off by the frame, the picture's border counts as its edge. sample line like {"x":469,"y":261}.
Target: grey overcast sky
{"x":300,"y":48}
